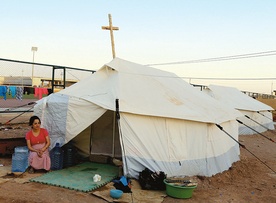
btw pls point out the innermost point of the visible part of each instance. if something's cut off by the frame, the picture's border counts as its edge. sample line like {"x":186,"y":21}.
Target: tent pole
{"x":91,"y":132}
{"x":113,"y":138}
{"x":125,"y":167}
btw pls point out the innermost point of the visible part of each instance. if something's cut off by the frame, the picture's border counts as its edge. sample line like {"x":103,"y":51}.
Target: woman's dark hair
{"x":31,"y":121}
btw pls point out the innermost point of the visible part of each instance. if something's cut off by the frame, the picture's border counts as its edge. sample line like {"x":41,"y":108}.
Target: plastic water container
{"x":20,"y":161}
{"x":23,"y":149}
{"x":56,"y":155}
{"x":69,"y":155}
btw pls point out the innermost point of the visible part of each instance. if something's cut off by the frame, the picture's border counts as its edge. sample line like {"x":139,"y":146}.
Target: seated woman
{"x":38,"y":142}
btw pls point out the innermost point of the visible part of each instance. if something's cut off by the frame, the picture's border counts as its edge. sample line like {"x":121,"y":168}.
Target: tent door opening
{"x":102,"y":133}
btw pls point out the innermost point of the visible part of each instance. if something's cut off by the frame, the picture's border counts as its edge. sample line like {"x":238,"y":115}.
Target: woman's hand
{"x":40,"y":152}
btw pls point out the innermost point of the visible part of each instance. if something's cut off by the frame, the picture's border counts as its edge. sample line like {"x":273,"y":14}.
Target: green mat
{"x":79,"y":177}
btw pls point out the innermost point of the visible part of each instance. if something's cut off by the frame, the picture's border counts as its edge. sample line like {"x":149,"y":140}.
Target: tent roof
{"x":148,"y":91}
{"x":236,"y":99}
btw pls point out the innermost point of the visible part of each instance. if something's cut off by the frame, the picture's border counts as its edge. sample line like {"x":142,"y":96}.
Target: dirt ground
{"x":249,"y":180}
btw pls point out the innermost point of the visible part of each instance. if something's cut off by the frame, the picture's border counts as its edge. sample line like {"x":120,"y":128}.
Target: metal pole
{"x":34,"y":49}
{"x":113,"y":135}
{"x":22,"y":78}
{"x":33,"y":71}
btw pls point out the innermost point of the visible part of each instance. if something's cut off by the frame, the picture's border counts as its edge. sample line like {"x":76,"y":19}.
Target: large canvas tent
{"x":256,"y":116}
{"x":163,"y":123}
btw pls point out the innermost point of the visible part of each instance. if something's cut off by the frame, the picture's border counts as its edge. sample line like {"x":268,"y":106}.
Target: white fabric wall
{"x":177,"y":147}
{"x":265,"y":122}
{"x":80,"y":115}
{"x":247,"y":106}
{"x":66,"y":116}
{"x":52,"y":111}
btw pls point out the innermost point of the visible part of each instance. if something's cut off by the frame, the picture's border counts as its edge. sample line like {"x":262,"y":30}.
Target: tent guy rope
{"x":18,"y":116}
{"x":264,"y":115}
{"x":243,"y":146}
{"x":255,"y":130}
{"x":10,"y":109}
{"x":259,"y":123}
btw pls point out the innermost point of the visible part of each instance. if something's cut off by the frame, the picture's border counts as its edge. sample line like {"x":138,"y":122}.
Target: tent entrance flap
{"x":105,"y":136}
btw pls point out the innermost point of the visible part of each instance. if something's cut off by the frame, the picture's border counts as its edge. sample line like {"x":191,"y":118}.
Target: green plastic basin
{"x":180,"y":192}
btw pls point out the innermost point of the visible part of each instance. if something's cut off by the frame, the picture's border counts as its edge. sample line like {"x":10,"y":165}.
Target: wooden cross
{"x":111,"y":28}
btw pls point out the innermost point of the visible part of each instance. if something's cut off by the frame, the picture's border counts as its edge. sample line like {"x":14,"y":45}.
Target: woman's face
{"x":36,"y":124}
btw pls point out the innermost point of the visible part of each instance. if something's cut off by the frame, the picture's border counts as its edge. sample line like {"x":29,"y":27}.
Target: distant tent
{"x":165,"y":124}
{"x":259,"y":113}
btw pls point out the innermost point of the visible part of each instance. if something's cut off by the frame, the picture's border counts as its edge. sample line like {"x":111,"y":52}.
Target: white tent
{"x":257,"y":116}
{"x":165,"y":124}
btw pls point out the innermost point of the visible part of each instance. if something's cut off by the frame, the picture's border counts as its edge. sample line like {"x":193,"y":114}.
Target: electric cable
{"x":222,"y":58}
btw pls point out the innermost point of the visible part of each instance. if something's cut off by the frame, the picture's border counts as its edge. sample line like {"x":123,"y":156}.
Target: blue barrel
{"x":56,"y":155}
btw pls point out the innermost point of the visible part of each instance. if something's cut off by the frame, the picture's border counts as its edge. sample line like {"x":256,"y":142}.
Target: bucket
{"x":176,"y":191}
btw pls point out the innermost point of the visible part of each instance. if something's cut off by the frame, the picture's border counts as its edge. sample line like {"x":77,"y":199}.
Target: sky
{"x":69,"y":33}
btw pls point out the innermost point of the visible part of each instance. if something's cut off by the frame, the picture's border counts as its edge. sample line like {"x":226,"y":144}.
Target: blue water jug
{"x":56,"y":155}
{"x":20,"y":161}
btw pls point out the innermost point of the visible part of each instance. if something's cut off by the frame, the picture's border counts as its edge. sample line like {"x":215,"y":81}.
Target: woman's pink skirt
{"x":37,"y":162}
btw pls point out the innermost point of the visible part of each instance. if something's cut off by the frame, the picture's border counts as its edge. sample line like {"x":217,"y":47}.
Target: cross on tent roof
{"x":111,"y":28}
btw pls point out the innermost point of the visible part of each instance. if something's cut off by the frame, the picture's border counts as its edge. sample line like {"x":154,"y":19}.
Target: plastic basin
{"x":116,"y":194}
{"x":181,"y":192}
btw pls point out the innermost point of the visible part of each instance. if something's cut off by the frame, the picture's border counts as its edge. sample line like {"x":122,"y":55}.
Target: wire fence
{"x":23,"y":83}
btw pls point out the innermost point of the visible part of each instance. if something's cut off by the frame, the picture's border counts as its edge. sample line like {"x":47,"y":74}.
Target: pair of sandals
{"x":31,"y":170}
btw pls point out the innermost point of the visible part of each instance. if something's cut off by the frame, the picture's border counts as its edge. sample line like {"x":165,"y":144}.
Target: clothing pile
{"x":122,"y":183}
{"x":150,"y":180}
